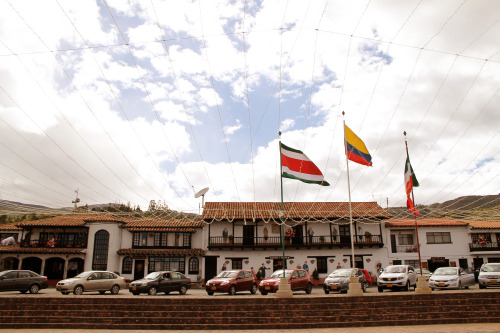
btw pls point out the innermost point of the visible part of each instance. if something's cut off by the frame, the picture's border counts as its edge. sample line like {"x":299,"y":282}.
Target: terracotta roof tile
{"x":9,"y":227}
{"x":293,"y":210}
{"x":139,"y":253}
{"x":178,"y":224}
{"x":77,"y":220}
{"x":486,"y":224}
{"x":424,"y":222}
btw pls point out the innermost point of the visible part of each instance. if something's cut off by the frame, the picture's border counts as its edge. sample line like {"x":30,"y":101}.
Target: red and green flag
{"x":410,"y":182}
{"x":296,"y":165}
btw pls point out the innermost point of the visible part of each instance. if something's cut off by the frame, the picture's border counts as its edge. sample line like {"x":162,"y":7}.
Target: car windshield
{"x":152,"y":276}
{"x":340,"y":273}
{"x":83,"y":275}
{"x":445,"y":271}
{"x":491,"y":268}
{"x":3,"y":273}
{"x":227,"y":275}
{"x":279,"y":274}
{"x":395,"y":269}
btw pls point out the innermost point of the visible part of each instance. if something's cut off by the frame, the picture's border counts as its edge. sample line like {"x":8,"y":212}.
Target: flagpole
{"x":284,"y":290}
{"x":414,"y":215}
{"x":349,"y":192}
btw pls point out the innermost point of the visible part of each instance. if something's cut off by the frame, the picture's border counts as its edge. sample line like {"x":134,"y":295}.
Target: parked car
{"x":231,"y":282}
{"x":161,"y":282}
{"x":368,"y":278}
{"x":339,"y":280}
{"x":425,"y":272}
{"x":489,"y":275}
{"x":100,"y":281}
{"x":451,"y":278}
{"x":299,"y":279}
{"x":397,"y":277}
{"x":23,"y":281}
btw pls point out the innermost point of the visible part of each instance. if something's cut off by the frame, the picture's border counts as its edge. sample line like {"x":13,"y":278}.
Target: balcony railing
{"x":488,"y":246}
{"x":53,"y":244}
{"x":305,"y":241}
{"x":407,"y":248}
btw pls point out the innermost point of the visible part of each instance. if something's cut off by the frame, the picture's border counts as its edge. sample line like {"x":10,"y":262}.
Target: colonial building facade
{"x":244,"y":236}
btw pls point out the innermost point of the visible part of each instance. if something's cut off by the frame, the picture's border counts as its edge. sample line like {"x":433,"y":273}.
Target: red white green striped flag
{"x":410,"y":182}
{"x":296,"y":165}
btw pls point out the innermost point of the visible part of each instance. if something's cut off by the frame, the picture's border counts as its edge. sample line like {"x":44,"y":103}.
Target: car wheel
{"x":102,"y":292}
{"x":232,"y":290}
{"x":210,"y":293}
{"x":167,"y":292}
{"x":482,"y":287}
{"x":115,"y":289}
{"x":135,"y":294}
{"x":380,"y":289}
{"x":367,"y":284}
{"x":78,"y":290}
{"x":254,"y":289}
{"x":263,"y":293}
{"x":152,"y":290}
{"x":327,"y":291}
{"x":466,"y":287}
{"x":65,"y":293}
{"x":309,"y":288}
{"x":183,"y":290}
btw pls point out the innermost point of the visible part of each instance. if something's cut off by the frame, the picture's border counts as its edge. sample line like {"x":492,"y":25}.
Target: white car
{"x":397,"y":277}
{"x":489,"y":275}
{"x":100,"y":281}
{"x":451,"y":278}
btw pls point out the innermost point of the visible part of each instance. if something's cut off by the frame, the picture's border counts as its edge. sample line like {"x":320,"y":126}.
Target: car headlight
{"x":223,"y":283}
{"x":348,"y":280}
{"x":261,"y":283}
{"x":68,"y":283}
{"x":454,"y":279}
{"x":277,"y":283}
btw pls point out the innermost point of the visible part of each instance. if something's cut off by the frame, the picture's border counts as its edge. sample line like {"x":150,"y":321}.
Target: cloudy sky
{"x":131,"y":101}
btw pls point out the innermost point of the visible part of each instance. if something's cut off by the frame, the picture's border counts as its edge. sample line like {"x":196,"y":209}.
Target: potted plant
{"x":230,"y":239}
{"x":368,"y":237}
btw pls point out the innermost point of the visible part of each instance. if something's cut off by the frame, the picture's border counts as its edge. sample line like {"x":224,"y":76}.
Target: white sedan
{"x":451,"y":278}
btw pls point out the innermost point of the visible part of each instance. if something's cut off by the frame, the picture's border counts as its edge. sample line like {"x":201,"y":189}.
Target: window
{"x":194,"y":266}
{"x":321,"y":265}
{"x":127,"y":265}
{"x":176,"y":264}
{"x":438,"y":237}
{"x":405,"y":239}
{"x":237,"y":263}
{"x":101,"y":244}
{"x":413,"y":263}
{"x":187,"y":239}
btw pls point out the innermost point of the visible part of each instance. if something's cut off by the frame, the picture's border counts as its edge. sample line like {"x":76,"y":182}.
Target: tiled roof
{"x":16,"y":249}
{"x":293,"y":210}
{"x":9,"y":227}
{"x":68,"y":221}
{"x":184,"y":225}
{"x":425,"y":222}
{"x":486,"y":224}
{"x":140,"y":253}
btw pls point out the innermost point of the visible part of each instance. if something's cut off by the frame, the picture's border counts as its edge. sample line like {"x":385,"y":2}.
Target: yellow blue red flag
{"x":355,"y":148}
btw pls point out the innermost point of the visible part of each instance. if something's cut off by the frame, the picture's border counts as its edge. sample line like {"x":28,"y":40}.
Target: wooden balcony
{"x":308,"y":242}
{"x":488,"y":246}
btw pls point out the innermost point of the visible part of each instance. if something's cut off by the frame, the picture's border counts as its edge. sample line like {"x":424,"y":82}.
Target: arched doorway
{"x":75,"y":267}
{"x":54,"y":268}
{"x":9,"y":263}
{"x":33,"y":264}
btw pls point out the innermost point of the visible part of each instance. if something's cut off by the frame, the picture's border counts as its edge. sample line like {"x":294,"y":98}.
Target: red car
{"x":231,"y":282}
{"x":299,"y":279}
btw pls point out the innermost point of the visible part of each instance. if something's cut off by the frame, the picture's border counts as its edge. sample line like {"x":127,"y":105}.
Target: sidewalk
{"x":453,"y":328}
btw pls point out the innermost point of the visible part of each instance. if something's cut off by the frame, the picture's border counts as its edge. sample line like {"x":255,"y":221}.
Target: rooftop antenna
{"x":201,"y":193}
{"x":77,"y":200}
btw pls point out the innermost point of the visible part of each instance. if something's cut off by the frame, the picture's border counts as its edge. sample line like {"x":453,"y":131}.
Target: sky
{"x":132,"y":101}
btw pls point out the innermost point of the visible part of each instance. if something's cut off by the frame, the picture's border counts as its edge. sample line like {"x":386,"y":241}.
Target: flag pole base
{"x":285,"y":290}
{"x":355,"y":287}
{"x":422,"y":286}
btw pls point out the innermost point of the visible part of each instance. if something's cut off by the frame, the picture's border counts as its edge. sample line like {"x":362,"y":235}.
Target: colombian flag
{"x":296,"y":165}
{"x":355,"y":148}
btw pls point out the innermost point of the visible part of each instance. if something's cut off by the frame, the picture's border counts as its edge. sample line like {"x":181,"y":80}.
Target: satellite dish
{"x":201,"y":192}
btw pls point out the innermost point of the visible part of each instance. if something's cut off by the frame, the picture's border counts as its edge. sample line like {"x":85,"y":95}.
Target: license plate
{"x":494,"y":281}
{"x":441,"y":284}
{"x":333,"y":287}
{"x":134,"y":288}
{"x":213,"y":288}
{"x":267,"y":288}
{"x":389,"y":285}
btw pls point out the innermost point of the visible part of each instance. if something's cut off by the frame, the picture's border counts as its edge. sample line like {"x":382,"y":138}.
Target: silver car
{"x":451,"y":278}
{"x":100,"y":281}
{"x":339,"y":280}
{"x":489,"y":275}
{"x":397,"y":277}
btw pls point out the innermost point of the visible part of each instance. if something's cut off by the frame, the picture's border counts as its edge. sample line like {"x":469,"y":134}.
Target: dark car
{"x":23,"y":281}
{"x":231,"y":282}
{"x":299,"y":279}
{"x":339,"y":280}
{"x":161,"y":282}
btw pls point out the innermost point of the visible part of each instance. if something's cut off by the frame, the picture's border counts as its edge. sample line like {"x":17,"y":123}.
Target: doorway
{"x":210,"y":267}
{"x":345,"y":234}
{"x":248,"y":235}
{"x":139,"y":269}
